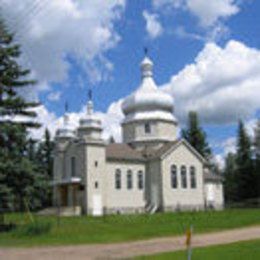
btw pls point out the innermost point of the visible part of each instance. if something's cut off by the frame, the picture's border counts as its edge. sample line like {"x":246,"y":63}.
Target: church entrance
{"x":63,"y":196}
{"x":97,"y":205}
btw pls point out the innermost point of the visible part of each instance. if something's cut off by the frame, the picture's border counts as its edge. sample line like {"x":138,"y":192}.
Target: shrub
{"x":35,"y":229}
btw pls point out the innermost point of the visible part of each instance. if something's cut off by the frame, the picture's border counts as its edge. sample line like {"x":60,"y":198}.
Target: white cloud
{"x":219,"y":160}
{"x":54,"y":96}
{"x":222,"y":85}
{"x":153,"y":26}
{"x":110,"y":121}
{"x":168,"y":3}
{"x":49,"y":31}
{"x":209,"y":12}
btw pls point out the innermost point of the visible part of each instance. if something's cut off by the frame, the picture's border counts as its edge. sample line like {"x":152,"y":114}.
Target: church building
{"x":150,"y":171}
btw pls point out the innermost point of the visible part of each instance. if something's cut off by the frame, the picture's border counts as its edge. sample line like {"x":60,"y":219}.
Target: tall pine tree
{"x":44,"y":160}
{"x":246,"y":183}
{"x":230,"y":183}
{"x":16,"y":170}
{"x":195,"y":135}
{"x":257,"y":156}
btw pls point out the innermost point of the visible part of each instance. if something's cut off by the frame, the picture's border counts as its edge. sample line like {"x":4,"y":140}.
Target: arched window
{"x":140,"y":179}
{"x":174,"y":180}
{"x":118,"y":179}
{"x":147,"y":128}
{"x":193,"y":181}
{"x":129,"y":177}
{"x":183,"y":177}
{"x":73,"y":166}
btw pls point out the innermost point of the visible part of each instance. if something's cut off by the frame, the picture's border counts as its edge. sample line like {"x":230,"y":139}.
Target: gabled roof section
{"x":123,"y":152}
{"x":170,"y":147}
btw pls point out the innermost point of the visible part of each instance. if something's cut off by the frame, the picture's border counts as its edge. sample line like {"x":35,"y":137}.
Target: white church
{"x":151,"y":170}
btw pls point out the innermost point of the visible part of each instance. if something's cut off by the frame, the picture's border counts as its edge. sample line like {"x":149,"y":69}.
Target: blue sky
{"x":206,"y":54}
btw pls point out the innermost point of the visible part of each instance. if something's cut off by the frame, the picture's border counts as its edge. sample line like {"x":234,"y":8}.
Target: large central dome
{"x":148,"y":102}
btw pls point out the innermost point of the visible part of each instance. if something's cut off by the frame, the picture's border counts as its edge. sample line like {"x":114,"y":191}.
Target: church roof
{"x":118,"y":151}
{"x":148,"y":101}
{"x":212,"y":177}
{"x":151,"y":153}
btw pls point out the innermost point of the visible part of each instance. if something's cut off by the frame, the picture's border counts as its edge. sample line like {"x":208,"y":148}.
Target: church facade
{"x":151,"y":170}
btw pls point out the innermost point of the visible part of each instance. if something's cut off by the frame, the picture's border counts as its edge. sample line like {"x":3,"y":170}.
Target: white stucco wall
{"x":124,"y":199}
{"x":160,"y":131}
{"x":185,"y":198}
{"x":214,"y":195}
{"x":95,"y":166}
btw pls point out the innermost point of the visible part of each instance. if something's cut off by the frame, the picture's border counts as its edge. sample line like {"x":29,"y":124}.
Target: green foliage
{"x":17,"y":170}
{"x":34,"y":229}
{"x":242,"y":181}
{"x":195,"y":135}
{"x":230,"y":184}
{"x":244,"y":173}
{"x":256,"y":146}
{"x":44,"y":160}
{"x":12,"y":79}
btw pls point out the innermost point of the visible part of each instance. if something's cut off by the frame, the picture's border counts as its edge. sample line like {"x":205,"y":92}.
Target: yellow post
{"x":188,"y":242}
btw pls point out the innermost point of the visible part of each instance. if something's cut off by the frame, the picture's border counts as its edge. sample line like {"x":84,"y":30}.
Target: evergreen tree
{"x":257,"y":156}
{"x":230,"y":183}
{"x":44,"y":160}
{"x":16,"y":170}
{"x":246,"y":182}
{"x":195,"y":135}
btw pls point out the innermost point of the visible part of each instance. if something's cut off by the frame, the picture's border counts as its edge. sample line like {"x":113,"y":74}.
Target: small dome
{"x":90,"y":120}
{"x":148,"y":102}
{"x":65,"y":131}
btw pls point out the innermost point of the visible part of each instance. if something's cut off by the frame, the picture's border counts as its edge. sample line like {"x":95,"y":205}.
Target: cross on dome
{"x":146,"y":66}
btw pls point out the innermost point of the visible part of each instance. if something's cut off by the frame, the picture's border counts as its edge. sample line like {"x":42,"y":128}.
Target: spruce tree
{"x":246,"y":183}
{"x":257,"y":156}
{"x":44,"y":160}
{"x":195,"y":135}
{"x":16,"y":170}
{"x":230,"y":183}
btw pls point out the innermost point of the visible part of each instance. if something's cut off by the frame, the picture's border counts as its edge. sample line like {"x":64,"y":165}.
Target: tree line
{"x":241,"y":173}
{"x":242,"y":168}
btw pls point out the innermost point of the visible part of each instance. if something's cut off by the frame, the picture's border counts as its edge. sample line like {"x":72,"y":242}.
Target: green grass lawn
{"x":80,"y":230}
{"x":249,"y":250}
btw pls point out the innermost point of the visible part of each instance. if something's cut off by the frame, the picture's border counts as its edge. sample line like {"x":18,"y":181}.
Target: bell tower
{"x":149,"y":119}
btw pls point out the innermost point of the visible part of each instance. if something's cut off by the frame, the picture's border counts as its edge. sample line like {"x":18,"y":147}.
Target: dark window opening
{"x":129,"y":183}
{"x":147,"y":128}
{"x":118,"y":179}
{"x":73,"y":166}
{"x":183,"y":177}
{"x":96,"y":185}
{"x":193,"y":181}
{"x":174,"y":180}
{"x":140,"y":180}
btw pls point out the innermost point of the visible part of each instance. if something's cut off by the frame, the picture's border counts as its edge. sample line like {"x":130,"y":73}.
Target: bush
{"x":35,"y":229}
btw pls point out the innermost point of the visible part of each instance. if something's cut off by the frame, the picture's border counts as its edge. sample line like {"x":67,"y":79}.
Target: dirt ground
{"x":128,"y":249}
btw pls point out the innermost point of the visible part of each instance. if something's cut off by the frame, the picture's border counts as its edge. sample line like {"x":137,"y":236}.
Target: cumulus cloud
{"x":111,"y":120}
{"x":208,"y":12}
{"x":222,"y":84}
{"x":51,"y":31}
{"x":153,"y":26}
